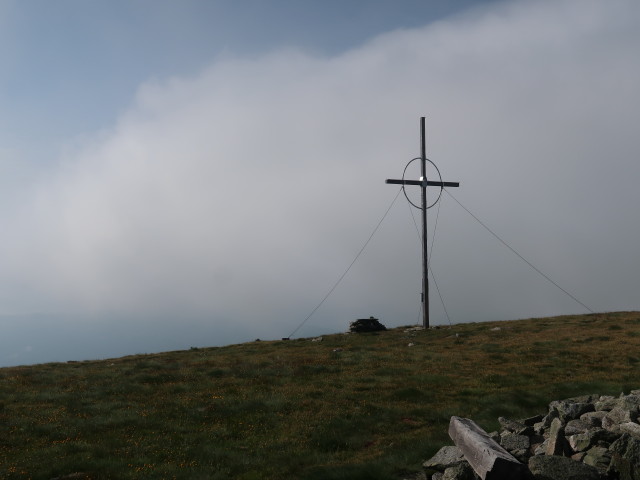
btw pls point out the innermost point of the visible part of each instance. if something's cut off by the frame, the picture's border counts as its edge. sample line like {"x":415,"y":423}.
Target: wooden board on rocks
{"x":488,"y":459}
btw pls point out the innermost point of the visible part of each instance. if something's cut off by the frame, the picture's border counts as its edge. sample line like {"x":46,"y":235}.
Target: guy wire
{"x":349,"y":267}
{"x":516,"y":253}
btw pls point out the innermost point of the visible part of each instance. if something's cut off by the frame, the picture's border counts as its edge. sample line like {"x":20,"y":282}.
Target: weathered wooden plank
{"x":489,"y":460}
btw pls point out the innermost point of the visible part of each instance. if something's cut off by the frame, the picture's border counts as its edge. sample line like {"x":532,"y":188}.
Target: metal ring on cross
{"x":405,"y":192}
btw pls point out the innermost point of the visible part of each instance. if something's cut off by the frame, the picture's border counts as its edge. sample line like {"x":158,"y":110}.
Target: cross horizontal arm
{"x":429,"y":183}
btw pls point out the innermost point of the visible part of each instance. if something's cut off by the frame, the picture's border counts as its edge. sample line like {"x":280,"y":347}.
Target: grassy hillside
{"x":349,"y":406}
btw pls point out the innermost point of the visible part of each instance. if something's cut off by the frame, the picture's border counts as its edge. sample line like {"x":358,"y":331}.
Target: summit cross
{"x":423,"y":183}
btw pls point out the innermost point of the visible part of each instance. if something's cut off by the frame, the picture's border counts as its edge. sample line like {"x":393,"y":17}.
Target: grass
{"x":352,"y":406}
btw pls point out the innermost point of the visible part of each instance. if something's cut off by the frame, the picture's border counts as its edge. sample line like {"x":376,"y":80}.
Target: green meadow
{"x":352,"y":406}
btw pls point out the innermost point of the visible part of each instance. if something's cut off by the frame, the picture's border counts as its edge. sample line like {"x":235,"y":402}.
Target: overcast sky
{"x":198,"y":173}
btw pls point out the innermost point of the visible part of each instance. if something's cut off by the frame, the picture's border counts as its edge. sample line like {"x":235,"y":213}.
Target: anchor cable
{"x":444,"y":307}
{"x":335,"y":285}
{"x":415,"y":224}
{"x":516,"y":253}
{"x":433,"y":275}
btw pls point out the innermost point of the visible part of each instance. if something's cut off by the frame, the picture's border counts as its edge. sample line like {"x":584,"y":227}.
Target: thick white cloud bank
{"x":229,"y":203}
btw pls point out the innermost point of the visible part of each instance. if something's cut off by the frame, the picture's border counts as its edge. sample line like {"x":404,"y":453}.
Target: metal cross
{"x":424,"y":183}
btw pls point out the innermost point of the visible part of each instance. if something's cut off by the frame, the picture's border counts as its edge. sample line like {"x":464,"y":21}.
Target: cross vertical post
{"x":424,"y":183}
{"x":425,"y":253}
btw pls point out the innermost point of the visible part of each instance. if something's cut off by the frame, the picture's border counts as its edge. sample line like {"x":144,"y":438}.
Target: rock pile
{"x":370,"y":324}
{"x":591,"y":437}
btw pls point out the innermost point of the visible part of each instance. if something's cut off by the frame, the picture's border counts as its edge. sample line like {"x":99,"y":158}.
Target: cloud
{"x":240,"y":194}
